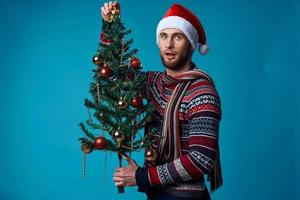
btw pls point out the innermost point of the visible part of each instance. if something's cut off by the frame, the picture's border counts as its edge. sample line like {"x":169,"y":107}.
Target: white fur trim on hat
{"x":182,"y":24}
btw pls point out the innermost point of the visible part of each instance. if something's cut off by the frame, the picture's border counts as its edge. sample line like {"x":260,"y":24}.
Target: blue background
{"x":46,"y":51}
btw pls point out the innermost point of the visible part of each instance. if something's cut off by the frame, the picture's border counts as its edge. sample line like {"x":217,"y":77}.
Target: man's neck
{"x":174,"y":72}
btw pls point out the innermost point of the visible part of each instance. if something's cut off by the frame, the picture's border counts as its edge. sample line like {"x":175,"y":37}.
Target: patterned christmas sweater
{"x":199,"y":117}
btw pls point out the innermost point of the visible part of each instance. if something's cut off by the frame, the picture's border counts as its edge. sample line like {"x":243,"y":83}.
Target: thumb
{"x":129,"y":159}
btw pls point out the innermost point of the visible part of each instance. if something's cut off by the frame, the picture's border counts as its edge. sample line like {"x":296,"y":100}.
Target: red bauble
{"x":135,"y":63}
{"x":137,"y":101}
{"x":105,"y":71}
{"x":100,"y":143}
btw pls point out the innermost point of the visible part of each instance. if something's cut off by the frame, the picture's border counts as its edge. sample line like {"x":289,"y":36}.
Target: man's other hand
{"x":125,"y":176}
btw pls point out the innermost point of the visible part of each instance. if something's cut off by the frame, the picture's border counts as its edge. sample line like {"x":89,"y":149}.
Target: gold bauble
{"x":150,"y":155}
{"x":119,"y":135}
{"x":86,"y":148}
{"x":97,"y":60}
{"x":122,"y":103}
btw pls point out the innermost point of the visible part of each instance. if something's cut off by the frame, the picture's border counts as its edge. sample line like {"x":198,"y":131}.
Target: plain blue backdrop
{"x":46,"y":49}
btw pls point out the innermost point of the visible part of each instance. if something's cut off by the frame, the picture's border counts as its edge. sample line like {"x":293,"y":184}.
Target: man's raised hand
{"x":106,"y":10}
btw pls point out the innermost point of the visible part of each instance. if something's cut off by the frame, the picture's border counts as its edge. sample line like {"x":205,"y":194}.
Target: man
{"x":187,"y":115}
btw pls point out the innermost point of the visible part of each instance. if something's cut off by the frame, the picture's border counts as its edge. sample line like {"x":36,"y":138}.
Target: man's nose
{"x":169,"y":44}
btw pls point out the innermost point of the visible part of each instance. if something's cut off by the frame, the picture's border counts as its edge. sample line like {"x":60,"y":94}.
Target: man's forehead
{"x":171,"y":31}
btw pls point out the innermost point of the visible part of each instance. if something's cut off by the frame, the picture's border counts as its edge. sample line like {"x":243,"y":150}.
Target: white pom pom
{"x":203,"y":49}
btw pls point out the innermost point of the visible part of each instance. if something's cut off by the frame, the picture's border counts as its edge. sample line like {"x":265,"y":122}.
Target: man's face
{"x":175,"y":48}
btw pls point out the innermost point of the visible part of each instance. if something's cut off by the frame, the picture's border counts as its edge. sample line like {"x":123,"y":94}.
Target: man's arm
{"x":204,"y":115}
{"x":106,"y":12}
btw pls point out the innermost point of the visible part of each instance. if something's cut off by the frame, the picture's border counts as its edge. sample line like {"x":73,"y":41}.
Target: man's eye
{"x":163,"y":36}
{"x":178,"y":37}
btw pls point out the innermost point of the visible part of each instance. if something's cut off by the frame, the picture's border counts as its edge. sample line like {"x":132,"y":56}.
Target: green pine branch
{"x":87,"y":133}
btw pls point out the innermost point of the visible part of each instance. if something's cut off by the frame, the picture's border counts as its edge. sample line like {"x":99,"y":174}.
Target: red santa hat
{"x":183,"y":19}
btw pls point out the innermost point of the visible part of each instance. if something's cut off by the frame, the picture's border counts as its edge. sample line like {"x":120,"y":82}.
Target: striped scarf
{"x":169,"y":147}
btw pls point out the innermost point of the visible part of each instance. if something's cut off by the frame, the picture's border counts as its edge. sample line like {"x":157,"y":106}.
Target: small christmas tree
{"x":119,"y":109}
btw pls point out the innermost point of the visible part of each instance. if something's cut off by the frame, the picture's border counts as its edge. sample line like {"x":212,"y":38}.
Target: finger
{"x":119,"y":169}
{"x":119,"y":184}
{"x":107,"y":10}
{"x":106,"y":6}
{"x":103,"y":11}
{"x":110,"y":5}
{"x":120,"y":174}
{"x":120,"y":179}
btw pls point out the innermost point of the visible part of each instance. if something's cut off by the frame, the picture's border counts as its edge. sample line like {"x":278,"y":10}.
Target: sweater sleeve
{"x":104,"y":33}
{"x":204,"y":115}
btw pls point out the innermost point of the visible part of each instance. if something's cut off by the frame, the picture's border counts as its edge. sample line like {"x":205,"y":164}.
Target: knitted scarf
{"x":169,"y":147}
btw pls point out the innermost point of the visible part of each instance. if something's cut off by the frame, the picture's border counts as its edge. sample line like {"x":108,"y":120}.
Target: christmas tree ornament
{"x":83,"y":164}
{"x":137,"y":102}
{"x":105,"y":71}
{"x":150,"y":154}
{"x":122,"y":104}
{"x":86,"y":147}
{"x":135,"y":63}
{"x":119,"y":135}
{"x":97,"y":60}
{"x":115,"y":12}
{"x":98,"y":92}
{"x":100,"y":143}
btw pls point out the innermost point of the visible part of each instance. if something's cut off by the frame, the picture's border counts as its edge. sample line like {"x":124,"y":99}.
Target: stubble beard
{"x":178,"y":64}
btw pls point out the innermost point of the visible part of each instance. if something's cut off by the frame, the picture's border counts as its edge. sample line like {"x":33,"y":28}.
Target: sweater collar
{"x":168,"y":80}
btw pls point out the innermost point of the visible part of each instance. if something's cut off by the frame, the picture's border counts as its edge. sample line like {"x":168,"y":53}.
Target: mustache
{"x":168,"y":52}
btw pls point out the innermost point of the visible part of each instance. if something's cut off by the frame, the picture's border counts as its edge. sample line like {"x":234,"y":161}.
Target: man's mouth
{"x":170,"y":55}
